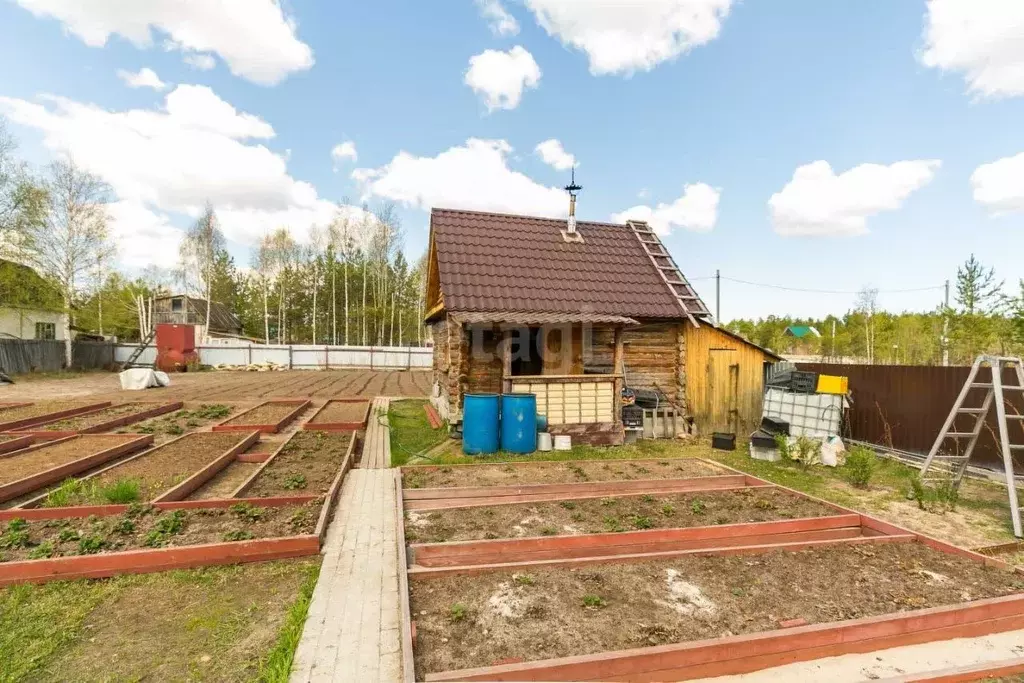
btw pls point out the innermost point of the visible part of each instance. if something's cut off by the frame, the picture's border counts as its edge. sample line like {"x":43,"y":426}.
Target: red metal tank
{"x":175,"y":347}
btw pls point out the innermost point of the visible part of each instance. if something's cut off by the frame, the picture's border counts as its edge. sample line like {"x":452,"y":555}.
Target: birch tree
{"x":197,"y":256}
{"x":71,"y":235}
{"x":314,"y":253}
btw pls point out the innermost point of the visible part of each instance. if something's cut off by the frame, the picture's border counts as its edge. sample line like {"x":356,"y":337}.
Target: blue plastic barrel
{"x":519,"y":423}
{"x":480,"y":424}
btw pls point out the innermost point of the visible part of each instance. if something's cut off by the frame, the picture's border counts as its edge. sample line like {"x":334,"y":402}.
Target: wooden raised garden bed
{"x":567,"y":472}
{"x":307,"y":463}
{"x":168,"y":472}
{"x":268,"y":417}
{"x":340,"y":415}
{"x":14,"y":442}
{"x":48,"y":463}
{"x":102,"y":420}
{"x":748,"y":590}
{"x":36,"y":413}
{"x":137,"y":539}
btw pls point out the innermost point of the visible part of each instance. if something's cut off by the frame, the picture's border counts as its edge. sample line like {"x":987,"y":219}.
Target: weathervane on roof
{"x":573,"y":189}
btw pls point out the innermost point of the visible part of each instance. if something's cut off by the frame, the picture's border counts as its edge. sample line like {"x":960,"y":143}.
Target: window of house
{"x":176,"y":305}
{"x":46,"y":331}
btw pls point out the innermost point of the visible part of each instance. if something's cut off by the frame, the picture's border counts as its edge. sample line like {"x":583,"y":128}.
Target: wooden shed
{"x":575,"y":312}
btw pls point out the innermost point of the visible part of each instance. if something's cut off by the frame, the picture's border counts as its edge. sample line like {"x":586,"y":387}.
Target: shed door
{"x":723,"y":386}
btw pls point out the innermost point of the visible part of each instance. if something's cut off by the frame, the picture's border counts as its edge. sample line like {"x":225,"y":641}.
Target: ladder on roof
{"x":140,"y":349}
{"x":951,"y":468}
{"x":670,"y":273}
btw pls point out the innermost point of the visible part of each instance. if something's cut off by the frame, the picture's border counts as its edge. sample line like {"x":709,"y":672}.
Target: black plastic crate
{"x":804,"y":382}
{"x":773,"y":426}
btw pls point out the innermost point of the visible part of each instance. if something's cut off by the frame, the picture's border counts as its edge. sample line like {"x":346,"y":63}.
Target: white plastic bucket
{"x":563,"y":442}
{"x":543,"y":441}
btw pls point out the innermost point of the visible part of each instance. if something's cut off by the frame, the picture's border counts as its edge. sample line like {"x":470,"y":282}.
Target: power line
{"x":825,"y":291}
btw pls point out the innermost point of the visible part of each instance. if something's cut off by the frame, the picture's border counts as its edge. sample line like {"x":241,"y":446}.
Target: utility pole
{"x":945,"y":328}
{"x":718,"y":297}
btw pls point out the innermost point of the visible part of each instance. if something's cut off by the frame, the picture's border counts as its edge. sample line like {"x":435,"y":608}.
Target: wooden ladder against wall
{"x":673,"y":278}
{"x":952,"y":468}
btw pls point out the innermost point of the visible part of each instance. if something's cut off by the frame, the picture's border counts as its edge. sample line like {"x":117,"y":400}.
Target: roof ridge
{"x":441,"y":209}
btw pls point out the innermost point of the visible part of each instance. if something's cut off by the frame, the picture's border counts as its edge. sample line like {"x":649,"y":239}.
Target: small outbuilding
{"x":575,"y":312}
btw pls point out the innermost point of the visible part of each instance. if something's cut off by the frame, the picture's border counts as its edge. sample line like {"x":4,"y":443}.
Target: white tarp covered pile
{"x":136,"y":379}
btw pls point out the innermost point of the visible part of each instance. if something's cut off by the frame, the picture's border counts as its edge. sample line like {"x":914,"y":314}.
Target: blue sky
{"x":758,"y":90}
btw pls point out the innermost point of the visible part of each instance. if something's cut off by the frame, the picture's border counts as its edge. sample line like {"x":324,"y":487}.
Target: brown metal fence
{"x":904,"y":406}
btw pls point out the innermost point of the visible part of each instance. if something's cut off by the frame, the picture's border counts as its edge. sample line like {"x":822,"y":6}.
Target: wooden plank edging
{"x":157,"y":409}
{"x":752,"y":652}
{"x":408,"y":661}
{"x":16,"y":444}
{"x":334,"y":491}
{"x":60,"y":472}
{"x":269,"y":428}
{"x":419,"y":572}
{"x":424,"y":552}
{"x":47,"y":417}
{"x":158,"y":559}
{"x":82,"y":511}
{"x":312,"y":425}
{"x":612,"y":486}
{"x":259,"y":470}
{"x":208,"y":472}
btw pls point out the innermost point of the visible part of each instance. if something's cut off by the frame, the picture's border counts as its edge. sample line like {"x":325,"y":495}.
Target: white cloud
{"x":501,"y":22}
{"x":555,"y":156}
{"x":145,"y":78}
{"x":1000,"y":185}
{"x":255,"y":38}
{"x":696,"y":210}
{"x":200,"y":61}
{"x":143,"y":237}
{"x":819,"y":202}
{"x":623,"y":37}
{"x":169,"y":161}
{"x":983,"y":39}
{"x":500,"y":77}
{"x":474,"y":176}
{"x":344,"y":151}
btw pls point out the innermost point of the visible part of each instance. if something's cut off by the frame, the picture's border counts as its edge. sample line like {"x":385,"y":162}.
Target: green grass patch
{"x":277,"y":665}
{"x":37,"y":622}
{"x":410,"y":431}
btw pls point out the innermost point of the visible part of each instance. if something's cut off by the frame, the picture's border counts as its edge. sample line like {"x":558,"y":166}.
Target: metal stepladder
{"x":995,"y":390}
{"x":143,"y":345}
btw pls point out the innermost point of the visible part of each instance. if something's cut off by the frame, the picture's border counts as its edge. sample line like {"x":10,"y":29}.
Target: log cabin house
{"x":573,"y":312}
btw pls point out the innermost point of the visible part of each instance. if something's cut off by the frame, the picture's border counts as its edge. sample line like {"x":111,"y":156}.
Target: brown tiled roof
{"x":535,"y":318}
{"x":500,"y":262}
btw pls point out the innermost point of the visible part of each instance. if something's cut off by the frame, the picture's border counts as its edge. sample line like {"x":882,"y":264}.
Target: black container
{"x":632,"y":417}
{"x":772,"y":426}
{"x":762,"y":439}
{"x":723,"y":442}
{"x":804,"y":382}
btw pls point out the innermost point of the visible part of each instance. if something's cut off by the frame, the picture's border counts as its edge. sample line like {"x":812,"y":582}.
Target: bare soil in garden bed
{"x":269,"y":414}
{"x":74,"y":424}
{"x":226,"y":481}
{"x":20,"y":465}
{"x":40,"y":409}
{"x":144,"y":526}
{"x":166,"y":427}
{"x":307,"y":464}
{"x":605,"y":515}
{"x":159,"y":469}
{"x":341,"y":411}
{"x":556,"y":473}
{"x":470,"y":621}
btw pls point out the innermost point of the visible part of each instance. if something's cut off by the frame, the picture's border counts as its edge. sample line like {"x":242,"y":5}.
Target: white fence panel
{"x":302,"y":356}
